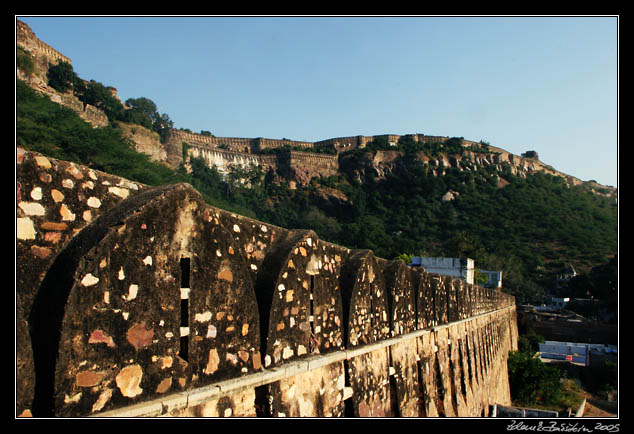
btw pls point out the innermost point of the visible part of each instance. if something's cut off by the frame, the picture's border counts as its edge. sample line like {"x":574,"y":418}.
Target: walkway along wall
{"x":138,"y":301}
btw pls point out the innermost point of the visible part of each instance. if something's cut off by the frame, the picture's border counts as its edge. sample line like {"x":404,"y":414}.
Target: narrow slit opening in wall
{"x":184,"y":316}
{"x":463,"y":367}
{"x":440,"y":388}
{"x":263,"y":401}
{"x":371,"y":290}
{"x":185,"y":267}
{"x":348,"y":402}
{"x":469,"y":356}
{"x":421,"y":392}
{"x":312,"y":304}
{"x":396,"y":410}
{"x":392,"y":389}
{"x":311,"y":316}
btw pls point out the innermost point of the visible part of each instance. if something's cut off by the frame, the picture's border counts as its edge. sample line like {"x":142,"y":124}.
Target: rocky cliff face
{"x":145,"y":141}
{"x":90,"y":114}
{"x":380,"y":164}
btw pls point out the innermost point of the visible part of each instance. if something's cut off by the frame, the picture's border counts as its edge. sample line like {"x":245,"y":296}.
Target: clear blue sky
{"x":548,"y":84}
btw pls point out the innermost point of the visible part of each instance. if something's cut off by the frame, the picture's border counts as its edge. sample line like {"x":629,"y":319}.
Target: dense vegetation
{"x":142,"y":111}
{"x":51,"y":129}
{"x":46,"y":127}
{"x":529,"y":229}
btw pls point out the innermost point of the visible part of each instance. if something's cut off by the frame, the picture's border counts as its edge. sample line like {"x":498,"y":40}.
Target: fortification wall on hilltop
{"x":26,"y":38}
{"x":220,"y":152}
{"x":179,"y":136}
{"x":236,"y":144}
{"x":301,"y":167}
{"x":343,"y":144}
{"x":307,"y":165}
{"x":339,"y":144}
{"x":315,"y":165}
{"x":259,"y":144}
{"x":138,"y":301}
{"x":224,"y":160}
{"x":262,"y":143}
{"x":43,"y":57}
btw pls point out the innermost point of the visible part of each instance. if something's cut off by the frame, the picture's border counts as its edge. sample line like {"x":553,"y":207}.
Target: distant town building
{"x":462,"y":268}
{"x":564,"y":351}
{"x":559,"y":303}
{"x":576,"y":353}
{"x":494,"y":279}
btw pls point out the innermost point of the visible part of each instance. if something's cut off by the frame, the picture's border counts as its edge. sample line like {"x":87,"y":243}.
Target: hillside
{"x":437,"y":198}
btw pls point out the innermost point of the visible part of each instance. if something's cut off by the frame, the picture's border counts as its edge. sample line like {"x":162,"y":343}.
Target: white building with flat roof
{"x":576,"y":353}
{"x":462,"y":268}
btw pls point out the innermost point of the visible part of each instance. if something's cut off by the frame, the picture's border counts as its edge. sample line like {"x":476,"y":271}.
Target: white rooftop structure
{"x":572,"y":352}
{"x":463,"y":268}
{"x":577,"y":353}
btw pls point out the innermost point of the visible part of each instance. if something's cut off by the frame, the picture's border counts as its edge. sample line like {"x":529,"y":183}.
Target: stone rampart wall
{"x":237,"y":144}
{"x":298,"y":166}
{"x":263,"y":143}
{"x":324,"y":164}
{"x":225,"y":160}
{"x":146,"y":301}
{"x":41,"y":50}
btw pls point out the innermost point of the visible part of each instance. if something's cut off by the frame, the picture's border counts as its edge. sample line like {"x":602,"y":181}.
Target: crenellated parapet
{"x":137,"y":301}
{"x":237,"y":144}
{"x":262,"y":144}
{"x":44,"y":53}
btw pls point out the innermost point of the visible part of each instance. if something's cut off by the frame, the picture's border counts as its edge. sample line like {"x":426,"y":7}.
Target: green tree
{"x":46,"y":127}
{"x":144,"y":108}
{"x":480,"y":278}
{"x":326,"y":227}
{"x":100,"y":96}
{"x":62,"y":77}
{"x":532,"y":381}
{"x":405,"y":257}
{"x":529,"y":343}
{"x":162,"y":126}
{"x":144,"y":111}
